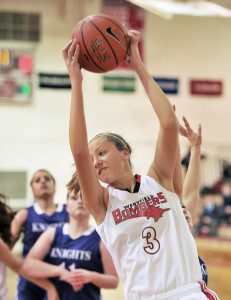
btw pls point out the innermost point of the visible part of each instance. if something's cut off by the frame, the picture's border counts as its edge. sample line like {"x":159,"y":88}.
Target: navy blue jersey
{"x":203,"y":271}
{"x":81,"y":253}
{"x":36,"y":223}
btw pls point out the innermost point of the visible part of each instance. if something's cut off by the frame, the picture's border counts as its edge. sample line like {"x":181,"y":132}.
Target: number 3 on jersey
{"x":151,"y":244}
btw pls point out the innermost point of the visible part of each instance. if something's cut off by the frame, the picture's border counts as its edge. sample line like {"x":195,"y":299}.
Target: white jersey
{"x":150,"y":242}
{"x":3,"y":287}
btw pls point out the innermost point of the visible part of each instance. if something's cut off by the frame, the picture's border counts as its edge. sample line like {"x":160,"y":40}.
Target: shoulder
{"x":61,"y":207}
{"x":21,"y":216}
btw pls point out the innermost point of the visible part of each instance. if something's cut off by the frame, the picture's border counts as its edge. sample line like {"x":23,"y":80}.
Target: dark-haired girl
{"x":33,"y":221}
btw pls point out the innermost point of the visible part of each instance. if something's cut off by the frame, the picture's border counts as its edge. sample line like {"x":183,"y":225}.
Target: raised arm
{"x":162,"y":167}
{"x":177,"y":176}
{"x":191,"y":187}
{"x":92,"y":191}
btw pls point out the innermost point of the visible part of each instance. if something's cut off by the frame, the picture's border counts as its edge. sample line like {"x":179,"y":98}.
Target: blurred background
{"x":186,"y":46}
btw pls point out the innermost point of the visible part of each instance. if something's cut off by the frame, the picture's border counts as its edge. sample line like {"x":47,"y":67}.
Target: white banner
{"x":169,"y":8}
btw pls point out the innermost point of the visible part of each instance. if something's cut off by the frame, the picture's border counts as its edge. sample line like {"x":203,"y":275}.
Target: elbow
{"x":115,"y":283}
{"x":171,"y":123}
{"x":26,"y":267}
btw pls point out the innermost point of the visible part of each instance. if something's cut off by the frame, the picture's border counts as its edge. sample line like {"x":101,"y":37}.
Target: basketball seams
{"x":106,"y":41}
{"x":87,"y":49}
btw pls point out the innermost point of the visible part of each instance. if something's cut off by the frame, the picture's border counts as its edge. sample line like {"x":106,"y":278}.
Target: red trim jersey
{"x":150,"y":242}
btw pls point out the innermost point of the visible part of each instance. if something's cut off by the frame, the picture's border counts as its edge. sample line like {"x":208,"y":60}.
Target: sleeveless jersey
{"x":3,"y":286}
{"x":203,"y":271}
{"x":84,"y":253}
{"x":150,"y":242}
{"x":36,"y":223}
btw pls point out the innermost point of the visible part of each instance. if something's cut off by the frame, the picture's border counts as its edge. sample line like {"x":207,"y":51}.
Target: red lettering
{"x":134,"y":210}
{"x":155,"y":201}
{"x":148,"y":202}
{"x":142,"y":206}
{"x":125,"y":213}
{"x":162,"y":197}
{"x":118,"y":218}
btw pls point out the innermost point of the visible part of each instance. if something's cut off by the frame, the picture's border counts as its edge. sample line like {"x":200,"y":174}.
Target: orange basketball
{"x":103,"y":43}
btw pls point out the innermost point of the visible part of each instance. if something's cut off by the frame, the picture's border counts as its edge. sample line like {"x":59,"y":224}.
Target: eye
{"x":37,"y":179}
{"x":101,"y":153}
{"x":47,"y":178}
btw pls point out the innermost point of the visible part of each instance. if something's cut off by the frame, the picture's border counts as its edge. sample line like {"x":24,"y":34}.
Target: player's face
{"x":76,"y":207}
{"x":188,"y":217}
{"x":108,"y":161}
{"x":43,"y":185}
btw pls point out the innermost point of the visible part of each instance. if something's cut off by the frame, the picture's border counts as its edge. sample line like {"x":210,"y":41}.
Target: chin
{"x":104,"y":179}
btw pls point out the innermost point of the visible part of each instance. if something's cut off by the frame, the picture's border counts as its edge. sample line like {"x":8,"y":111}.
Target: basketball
{"x":103,"y":43}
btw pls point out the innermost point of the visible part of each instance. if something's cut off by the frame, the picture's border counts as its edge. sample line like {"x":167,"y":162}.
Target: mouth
{"x":101,"y":170}
{"x":43,"y":187}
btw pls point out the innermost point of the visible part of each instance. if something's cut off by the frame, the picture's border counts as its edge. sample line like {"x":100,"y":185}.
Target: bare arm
{"x":9,"y":259}
{"x":90,"y":187}
{"x":17,"y":224}
{"x":191,"y":188}
{"x":34,"y":266}
{"x":177,"y":176}
{"x":108,"y":280}
{"x":16,"y":264}
{"x":162,"y":167}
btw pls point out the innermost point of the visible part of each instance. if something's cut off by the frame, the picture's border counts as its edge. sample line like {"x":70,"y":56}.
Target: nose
{"x":97,"y":162}
{"x":43,"y":179}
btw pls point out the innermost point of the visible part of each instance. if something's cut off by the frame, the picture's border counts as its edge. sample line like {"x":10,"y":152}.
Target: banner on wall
{"x":115,"y":83}
{"x":206,"y":87}
{"x":168,"y":85}
{"x":54,"y":81}
{"x":132,"y":16}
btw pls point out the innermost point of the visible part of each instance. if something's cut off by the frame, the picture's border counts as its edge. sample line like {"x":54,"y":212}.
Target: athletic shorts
{"x":195,"y":291}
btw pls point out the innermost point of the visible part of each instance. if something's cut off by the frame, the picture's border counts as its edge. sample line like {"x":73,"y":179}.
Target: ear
{"x":126,"y":154}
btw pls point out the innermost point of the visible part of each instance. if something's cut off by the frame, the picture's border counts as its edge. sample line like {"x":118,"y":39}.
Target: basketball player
{"x":33,"y":221}
{"x":191,"y":190}
{"x":189,"y":193}
{"x":77,"y":246}
{"x":139,"y":218}
{"x":36,"y":273}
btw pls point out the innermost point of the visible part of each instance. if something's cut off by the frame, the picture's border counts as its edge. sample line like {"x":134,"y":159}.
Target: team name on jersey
{"x":144,"y":207}
{"x":40,"y":227}
{"x":71,"y":254}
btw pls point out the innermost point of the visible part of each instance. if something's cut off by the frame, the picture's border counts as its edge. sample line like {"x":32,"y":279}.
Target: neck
{"x":78,"y":226}
{"x":46,"y":204}
{"x":127,"y":181}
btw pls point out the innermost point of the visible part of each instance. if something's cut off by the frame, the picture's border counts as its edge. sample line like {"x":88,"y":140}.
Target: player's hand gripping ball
{"x":103,"y":43}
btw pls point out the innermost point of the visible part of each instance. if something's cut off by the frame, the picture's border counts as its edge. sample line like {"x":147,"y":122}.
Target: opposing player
{"x":36,"y":272}
{"x":77,"y":246}
{"x":140,"y":219}
{"x":191,"y":191}
{"x":33,"y":221}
